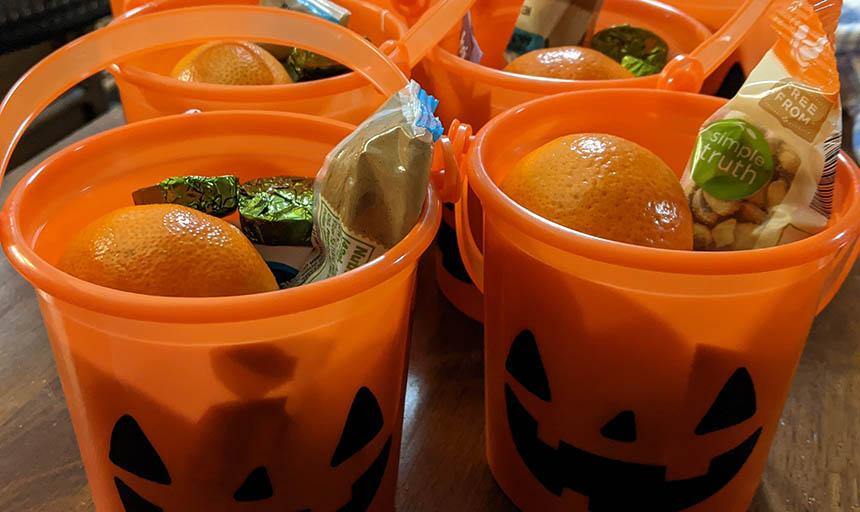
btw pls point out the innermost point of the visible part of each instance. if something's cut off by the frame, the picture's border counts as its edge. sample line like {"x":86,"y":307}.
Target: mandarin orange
{"x":231,"y":63}
{"x":568,"y":62}
{"x":605,"y":186}
{"x":171,"y":250}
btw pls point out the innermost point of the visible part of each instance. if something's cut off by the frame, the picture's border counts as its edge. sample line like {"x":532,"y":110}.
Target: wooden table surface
{"x":814,"y":464}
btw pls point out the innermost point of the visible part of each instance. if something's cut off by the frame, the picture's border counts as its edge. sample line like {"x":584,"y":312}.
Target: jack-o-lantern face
{"x":612,"y":485}
{"x":131,"y":450}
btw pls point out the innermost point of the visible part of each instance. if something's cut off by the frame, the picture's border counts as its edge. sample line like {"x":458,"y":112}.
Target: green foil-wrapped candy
{"x":639,"y":67}
{"x":277,"y":210}
{"x":216,"y":195}
{"x":304,"y":65}
{"x":648,"y":51}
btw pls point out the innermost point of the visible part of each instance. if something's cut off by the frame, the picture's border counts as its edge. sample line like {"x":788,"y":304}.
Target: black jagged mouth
{"x":612,"y":485}
{"x":364,"y":488}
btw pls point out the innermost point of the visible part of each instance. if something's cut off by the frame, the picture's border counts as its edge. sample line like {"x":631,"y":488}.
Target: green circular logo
{"x":732,"y":160}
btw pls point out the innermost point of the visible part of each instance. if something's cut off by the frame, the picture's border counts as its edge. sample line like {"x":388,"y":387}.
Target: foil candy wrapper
{"x":641,"y":51}
{"x":216,"y":195}
{"x":277,"y":210}
{"x":304,"y":65}
{"x":324,"y":9}
{"x":372,"y":186}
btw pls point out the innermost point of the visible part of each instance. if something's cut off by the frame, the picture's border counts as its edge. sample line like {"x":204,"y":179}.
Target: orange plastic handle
{"x":82,"y":58}
{"x":410,"y":9}
{"x":471,"y":255}
{"x":686,"y":73}
{"x":431,"y":27}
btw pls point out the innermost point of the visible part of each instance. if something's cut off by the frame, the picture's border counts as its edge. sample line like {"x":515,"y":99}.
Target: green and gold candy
{"x":641,"y":51}
{"x":277,"y":210}
{"x":304,"y":65}
{"x":216,"y":195}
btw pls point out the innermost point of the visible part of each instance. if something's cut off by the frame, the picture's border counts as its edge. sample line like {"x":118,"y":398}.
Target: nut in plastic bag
{"x":762,"y":171}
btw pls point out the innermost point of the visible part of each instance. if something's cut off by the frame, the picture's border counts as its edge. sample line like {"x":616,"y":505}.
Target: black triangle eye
{"x":132,"y":451}
{"x":734,"y":404}
{"x":363,"y":422}
{"x":525,"y":365}
{"x":621,"y":428}
{"x":257,"y":487}
{"x":132,"y":501}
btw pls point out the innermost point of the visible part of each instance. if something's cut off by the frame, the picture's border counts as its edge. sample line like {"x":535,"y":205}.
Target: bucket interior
{"x":712,"y":14}
{"x":366,"y":20}
{"x":221,"y":393}
{"x":681,"y":32}
{"x":71,"y":189}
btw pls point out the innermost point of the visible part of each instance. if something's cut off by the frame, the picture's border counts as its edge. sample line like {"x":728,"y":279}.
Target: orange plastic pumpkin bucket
{"x":475,"y":93}
{"x":147,"y":90}
{"x":621,"y":377}
{"x":714,"y":14}
{"x":288,"y":400}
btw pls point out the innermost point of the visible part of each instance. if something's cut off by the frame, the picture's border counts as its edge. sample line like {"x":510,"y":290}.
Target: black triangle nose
{"x":621,"y":428}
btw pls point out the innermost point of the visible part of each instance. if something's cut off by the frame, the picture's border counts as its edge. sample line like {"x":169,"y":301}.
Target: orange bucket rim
{"x":546,"y":85}
{"x":48,"y":279}
{"x":493,"y":199}
{"x":240,"y":93}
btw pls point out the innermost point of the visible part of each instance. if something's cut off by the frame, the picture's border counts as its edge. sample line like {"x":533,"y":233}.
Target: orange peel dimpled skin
{"x":167,"y":250}
{"x":231,"y":63}
{"x":604,"y":186}
{"x":568,"y":62}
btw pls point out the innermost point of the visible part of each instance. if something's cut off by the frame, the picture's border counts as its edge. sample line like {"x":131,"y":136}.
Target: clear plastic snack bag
{"x":371,"y":189}
{"x":762,"y":171}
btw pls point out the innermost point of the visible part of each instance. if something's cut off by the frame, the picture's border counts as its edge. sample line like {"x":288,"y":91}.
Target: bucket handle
{"x":418,"y":41}
{"x":686,"y":73}
{"x":410,"y":9}
{"x":471,"y":255}
{"x":427,"y":32}
{"x":85,"y":56}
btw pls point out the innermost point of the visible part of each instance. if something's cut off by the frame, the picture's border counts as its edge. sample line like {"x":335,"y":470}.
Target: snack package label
{"x":523,"y":42}
{"x":731,"y":160}
{"x":344,"y":250}
{"x":802,"y":110}
{"x":564,"y":22}
{"x":284,"y":260}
